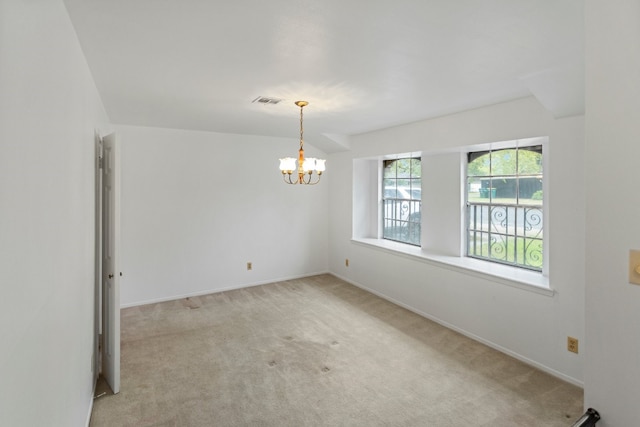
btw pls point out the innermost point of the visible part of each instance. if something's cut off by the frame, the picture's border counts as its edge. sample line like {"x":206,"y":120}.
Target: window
{"x":401,"y":200}
{"x":504,"y":206}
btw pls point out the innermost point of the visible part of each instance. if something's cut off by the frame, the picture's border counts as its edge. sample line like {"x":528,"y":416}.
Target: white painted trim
{"x":511,"y":276}
{"x":474,"y":337}
{"x":93,"y":394}
{"x":217,"y":290}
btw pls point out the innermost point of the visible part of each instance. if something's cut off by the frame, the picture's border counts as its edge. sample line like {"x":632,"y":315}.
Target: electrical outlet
{"x":249,"y":266}
{"x":572,"y":344}
{"x":346,"y":262}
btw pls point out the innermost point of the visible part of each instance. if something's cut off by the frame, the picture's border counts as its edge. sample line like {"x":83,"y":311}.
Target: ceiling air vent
{"x":266,"y":100}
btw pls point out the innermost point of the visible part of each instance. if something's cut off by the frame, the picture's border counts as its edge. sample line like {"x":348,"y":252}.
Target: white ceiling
{"x":362,"y":64}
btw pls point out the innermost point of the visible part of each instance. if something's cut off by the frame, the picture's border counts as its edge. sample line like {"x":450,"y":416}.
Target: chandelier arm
{"x":309,"y":179}
{"x":287,"y":178}
{"x":303,"y":178}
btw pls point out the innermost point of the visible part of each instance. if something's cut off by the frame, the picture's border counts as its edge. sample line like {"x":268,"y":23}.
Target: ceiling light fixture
{"x":307,"y":166}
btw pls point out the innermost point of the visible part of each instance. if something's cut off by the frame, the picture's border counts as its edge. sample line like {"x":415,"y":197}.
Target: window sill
{"x":511,"y":276}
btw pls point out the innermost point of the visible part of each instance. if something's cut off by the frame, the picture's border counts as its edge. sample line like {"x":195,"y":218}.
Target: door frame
{"x":107,"y":309}
{"x":97,"y":319}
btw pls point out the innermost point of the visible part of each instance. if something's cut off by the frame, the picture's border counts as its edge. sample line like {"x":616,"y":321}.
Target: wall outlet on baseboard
{"x":572,"y":344}
{"x":249,"y":266}
{"x":346,"y":262}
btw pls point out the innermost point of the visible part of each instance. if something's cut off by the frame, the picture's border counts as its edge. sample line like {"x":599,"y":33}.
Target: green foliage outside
{"x":403,"y":168}
{"x":506,"y":162}
{"x":537,"y":195}
{"x":529,"y":256}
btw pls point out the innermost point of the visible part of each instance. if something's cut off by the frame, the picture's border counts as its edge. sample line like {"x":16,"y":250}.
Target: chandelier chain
{"x":301,"y":128}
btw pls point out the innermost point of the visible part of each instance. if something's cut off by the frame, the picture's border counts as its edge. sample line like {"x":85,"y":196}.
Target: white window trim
{"x":545,"y":191}
{"x":381,"y":196}
{"x":516,"y":277}
{"x":528,"y":280}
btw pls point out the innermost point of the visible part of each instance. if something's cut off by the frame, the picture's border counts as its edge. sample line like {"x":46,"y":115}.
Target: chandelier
{"x":306,"y":167}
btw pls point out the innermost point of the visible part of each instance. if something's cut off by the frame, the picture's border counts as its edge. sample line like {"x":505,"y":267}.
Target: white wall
{"x":197,"y":206}
{"x":531,"y":326}
{"x":442,"y":180}
{"x":612,"y":368}
{"x":48,"y":110}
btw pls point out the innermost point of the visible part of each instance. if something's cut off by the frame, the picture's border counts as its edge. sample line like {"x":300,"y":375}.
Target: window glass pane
{"x":473,"y":189}
{"x":389,"y":189}
{"x":530,"y":191}
{"x":402,"y":200}
{"x":389,"y":169}
{"x":503,"y":190}
{"x":532,"y":222}
{"x":479,"y":217}
{"x":532,"y":253}
{"x":413,"y":232}
{"x":404,"y":188}
{"x":504,"y":206}
{"x":478,"y":244}
{"x":503,"y":162}
{"x":486,"y":189}
{"x":479,"y":165}
{"x":404,"y":168}
{"x":390,"y":193}
{"x":530,"y":161}
{"x":416,"y":168}
{"x":416,"y":189}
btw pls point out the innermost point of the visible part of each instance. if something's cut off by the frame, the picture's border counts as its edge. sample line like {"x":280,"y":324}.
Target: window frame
{"x":366,"y":222}
{"x":522,"y":224}
{"x":413,"y":205}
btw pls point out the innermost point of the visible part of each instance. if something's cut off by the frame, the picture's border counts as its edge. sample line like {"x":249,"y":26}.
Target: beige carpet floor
{"x":317,"y":352}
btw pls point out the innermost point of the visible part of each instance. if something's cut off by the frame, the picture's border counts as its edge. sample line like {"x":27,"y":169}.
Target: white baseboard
{"x":468,"y":334}
{"x":216,"y":290}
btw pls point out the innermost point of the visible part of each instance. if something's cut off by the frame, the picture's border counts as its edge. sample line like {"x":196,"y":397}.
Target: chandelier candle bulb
{"x":309,"y":164}
{"x":287,"y":165}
